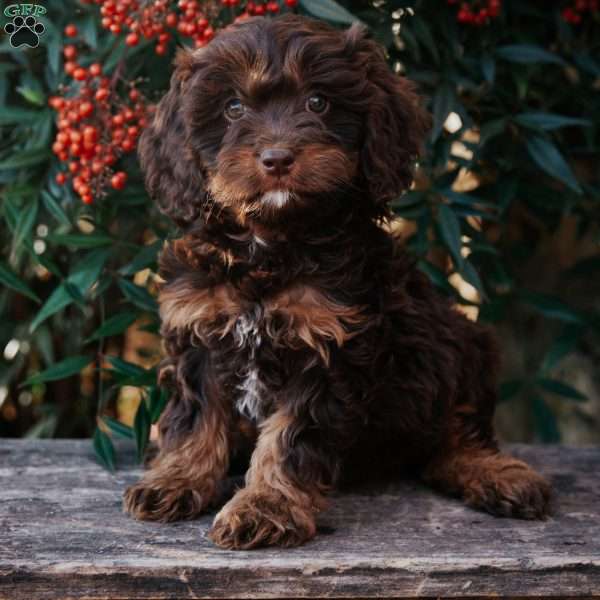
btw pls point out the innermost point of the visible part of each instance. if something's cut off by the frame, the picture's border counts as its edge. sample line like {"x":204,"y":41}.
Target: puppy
{"x":293,"y":321}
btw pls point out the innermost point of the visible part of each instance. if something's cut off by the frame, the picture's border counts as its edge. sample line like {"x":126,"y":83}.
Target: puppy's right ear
{"x":173,"y":174}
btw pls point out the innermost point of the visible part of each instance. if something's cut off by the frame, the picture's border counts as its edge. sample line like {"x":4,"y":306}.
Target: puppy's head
{"x":276,"y":117}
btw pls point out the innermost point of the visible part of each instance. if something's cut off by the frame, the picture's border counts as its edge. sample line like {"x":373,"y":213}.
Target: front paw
{"x":149,"y":503}
{"x":516,"y":491}
{"x":253,"y":520}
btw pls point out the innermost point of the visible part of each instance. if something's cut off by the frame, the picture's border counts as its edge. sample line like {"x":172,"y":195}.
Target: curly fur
{"x":292,"y":320}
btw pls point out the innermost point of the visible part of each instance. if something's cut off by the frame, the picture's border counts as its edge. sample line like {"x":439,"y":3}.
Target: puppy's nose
{"x":277,"y":161}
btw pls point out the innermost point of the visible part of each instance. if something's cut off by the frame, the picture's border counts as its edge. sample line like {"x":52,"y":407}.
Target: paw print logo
{"x":24,"y":32}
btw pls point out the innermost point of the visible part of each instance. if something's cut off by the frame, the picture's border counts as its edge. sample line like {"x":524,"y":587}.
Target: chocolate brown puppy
{"x":293,"y":321}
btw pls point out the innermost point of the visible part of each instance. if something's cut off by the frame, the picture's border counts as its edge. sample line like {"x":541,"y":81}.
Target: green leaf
{"x":551,"y":307}
{"x":158,"y":400}
{"x":423,"y":33}
{"x":25,"y":223}
{"x":119,"y":428}
{"x":61,"y":370}
{"x":13,"y":115}
{"x":443,"y":102}
{"x":87,"y":271}
{"x":145,"y":257}
{"x":437,"y":277}
{"x":82,"y":277}
{"x":563,"y":346}
{"x":88,"y":29}
{"x":328,"y":10}
{"x":130,"y":374}
{"x":546,"y":155}
{"x":545,"y":421}
{"x":104,"y":449}
{"x":450,"y":233}
{"x":549,"y":121}
{"x":141,"y":428}
{"x":54,"y":208}
{"x":32,"y":96}
{"x":9,"y":279}
{"x":528,"y":54}
{"x":115,"y":56}
{"x":27,"y":158}
{"x":138,"y":295}
{"x":82,"y":240}
{"x":561,"y":389}
{"x":492,"y":129}
{"x":59,"y":299}
{"x":509,"y":389}
{"x":470,"y":275}
{"x":113,"y":326}
{"x":488,"y":68}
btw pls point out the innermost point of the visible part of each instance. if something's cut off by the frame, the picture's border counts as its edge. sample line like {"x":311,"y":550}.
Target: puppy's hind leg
{"x":469,"y":464}
{"x":491,"y":481}
{"x":183,"y":480}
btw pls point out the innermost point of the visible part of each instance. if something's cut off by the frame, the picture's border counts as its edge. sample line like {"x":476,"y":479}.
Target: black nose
{"x":277,"y":161}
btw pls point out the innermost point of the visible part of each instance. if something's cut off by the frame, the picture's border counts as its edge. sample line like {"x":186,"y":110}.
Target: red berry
{"x":118,"y":180}
{"x":294,"y":3}
{"x":56,"y":102}
{"x":79,"y":74}
{"x":70,"y":30}
{"x":86,"y":109}
{"x":132,"y":39}
{"x":96,"y":70}
{"x":102,"y":94}
{"x":70,"y":52}
{"x":61,"y":178}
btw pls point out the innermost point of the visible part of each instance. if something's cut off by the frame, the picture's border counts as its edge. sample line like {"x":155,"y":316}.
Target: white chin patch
{"x":276,"y":198}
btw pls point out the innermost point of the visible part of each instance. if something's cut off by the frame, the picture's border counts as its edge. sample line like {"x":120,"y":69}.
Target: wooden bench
{"x":63,"y":535}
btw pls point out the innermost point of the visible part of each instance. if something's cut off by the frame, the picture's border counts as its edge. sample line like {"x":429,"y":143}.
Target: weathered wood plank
{"x":62,"y":535}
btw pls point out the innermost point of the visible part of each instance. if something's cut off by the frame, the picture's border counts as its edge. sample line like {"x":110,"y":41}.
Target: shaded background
{"x":504,"y":214}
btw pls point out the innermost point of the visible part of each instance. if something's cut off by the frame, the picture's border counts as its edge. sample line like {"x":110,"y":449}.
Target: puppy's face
{"x":276,"y":117}
{"x":271,"y":119}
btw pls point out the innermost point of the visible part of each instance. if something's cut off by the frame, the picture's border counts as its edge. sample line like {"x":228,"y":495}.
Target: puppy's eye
{"x":317,"y":104}
{"x":234,"y":109}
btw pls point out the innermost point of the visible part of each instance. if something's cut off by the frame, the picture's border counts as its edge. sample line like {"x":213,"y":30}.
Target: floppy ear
{"x":395,"y":123}
{"x":173,"y":174}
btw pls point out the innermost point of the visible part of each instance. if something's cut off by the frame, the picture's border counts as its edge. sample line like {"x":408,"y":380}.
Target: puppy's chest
{"x":253,"y":399}
{"x":296,"y":318}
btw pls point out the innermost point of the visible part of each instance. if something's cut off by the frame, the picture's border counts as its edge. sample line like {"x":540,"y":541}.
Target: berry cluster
{"x":157,"y":20}
{"x":574,"y":13}
{"x":95,"y":127}
{"x":477,"y":13}
{"x":261,"y":8}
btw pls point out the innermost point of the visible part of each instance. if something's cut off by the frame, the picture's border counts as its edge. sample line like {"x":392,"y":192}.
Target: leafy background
{"x":504,"y":216}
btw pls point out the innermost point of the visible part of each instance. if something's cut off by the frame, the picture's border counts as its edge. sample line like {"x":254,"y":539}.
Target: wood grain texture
{"x":63,"y":535}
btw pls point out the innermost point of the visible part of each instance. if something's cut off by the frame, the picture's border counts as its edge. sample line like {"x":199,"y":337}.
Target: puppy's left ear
{"x":172,"y":173}
{"x":395,"y":123}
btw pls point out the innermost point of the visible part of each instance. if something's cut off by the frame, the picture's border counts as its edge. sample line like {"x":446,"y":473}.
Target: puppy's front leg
{"x":183,"y":480}
{"x":285,"y":486}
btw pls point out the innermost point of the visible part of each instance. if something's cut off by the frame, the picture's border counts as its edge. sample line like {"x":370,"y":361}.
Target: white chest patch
{"x":252,"y":390}
{"x":276,"y":198}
